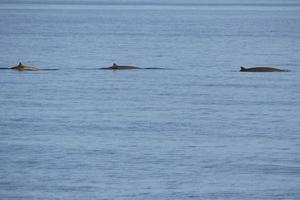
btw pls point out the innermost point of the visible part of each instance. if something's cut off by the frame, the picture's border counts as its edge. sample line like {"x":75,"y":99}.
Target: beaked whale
{"x":125,"y":67}
{"x":262,"y":69}
{"x":120,"y":67}
{"x":21,"y":67}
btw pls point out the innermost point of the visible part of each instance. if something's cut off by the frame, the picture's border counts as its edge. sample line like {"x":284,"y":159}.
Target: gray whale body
{"x":262,"y":69}
{"x":120,"y":67}
{"x":125,"y":67}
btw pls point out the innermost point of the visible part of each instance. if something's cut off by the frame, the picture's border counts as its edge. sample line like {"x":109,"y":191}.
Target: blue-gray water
{"x":198,"y":130}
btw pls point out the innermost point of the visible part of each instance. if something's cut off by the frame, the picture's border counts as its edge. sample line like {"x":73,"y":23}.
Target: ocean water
{"x":199,"y":129}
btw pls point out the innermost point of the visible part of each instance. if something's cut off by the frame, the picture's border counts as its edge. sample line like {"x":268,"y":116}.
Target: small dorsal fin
{"x":242,"y":68}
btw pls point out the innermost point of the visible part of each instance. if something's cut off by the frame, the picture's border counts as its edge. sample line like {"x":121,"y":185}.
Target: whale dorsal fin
{"x":242,"y":68}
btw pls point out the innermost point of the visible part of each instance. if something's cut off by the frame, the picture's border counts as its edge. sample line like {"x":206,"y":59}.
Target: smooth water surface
{"x":197,"y":130}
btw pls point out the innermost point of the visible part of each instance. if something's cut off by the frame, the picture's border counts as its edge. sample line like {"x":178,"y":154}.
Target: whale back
{"x":262,"y":69}
{"x":120,"y":67}
{"x":124,"y":67}
{"x":22,"y":67}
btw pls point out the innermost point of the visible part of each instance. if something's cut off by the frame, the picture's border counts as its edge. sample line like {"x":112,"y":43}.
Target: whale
{"x":125,"y":67}
{"x":21,"y":67}
{"x":120,"y":67}
{"x":262,"y":69}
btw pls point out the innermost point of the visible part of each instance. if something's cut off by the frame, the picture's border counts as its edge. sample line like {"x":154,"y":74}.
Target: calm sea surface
{"x":197,"y":130}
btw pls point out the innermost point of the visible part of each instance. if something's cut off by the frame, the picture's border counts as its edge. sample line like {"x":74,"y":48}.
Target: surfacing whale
{"x":21,"y":67}
{"x":121,"y":67}
{"x":262,"y":69}
{"x":125,"y":67}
